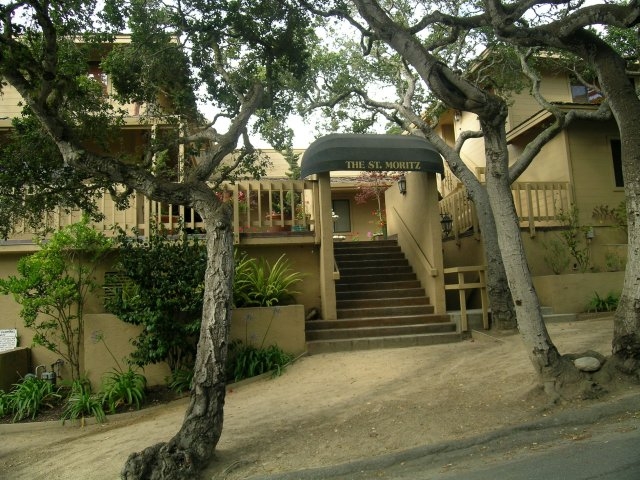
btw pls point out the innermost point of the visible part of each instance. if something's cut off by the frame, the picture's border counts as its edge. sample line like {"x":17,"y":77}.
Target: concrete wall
{"x":107,"y":345}
{"x":568,"y":292}
{"x":96,"y":359}
{"x":415,"y":218}
{"x":572,"y":293}
{"x":282,"y":326}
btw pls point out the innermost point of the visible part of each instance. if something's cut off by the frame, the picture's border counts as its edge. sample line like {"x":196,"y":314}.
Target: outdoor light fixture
{"x":402,"y":185}
{"x":447,"y":224}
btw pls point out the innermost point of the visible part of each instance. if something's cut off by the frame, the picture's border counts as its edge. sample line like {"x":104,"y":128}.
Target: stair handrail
{"x":432,"y":270}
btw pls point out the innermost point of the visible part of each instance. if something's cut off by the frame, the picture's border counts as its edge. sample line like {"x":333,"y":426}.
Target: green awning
{"x":369,"y":152}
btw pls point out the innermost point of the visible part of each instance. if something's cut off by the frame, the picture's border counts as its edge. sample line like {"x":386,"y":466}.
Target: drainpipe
{"x":327,"y":283}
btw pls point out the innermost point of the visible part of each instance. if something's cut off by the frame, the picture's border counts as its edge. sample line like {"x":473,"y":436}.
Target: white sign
{"x":8,"y":339}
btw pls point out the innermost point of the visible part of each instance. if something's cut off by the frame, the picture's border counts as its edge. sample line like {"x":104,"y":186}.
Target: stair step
{"x":374,"y":269}
{"x":374,"y":255}
{"x":396,"y":293}
{"x":390,"y":301}
{"x":396,"y":341}
{"x":355,"y":246}
{"x":385,"y":331}
{"x":377,"y":278}
{"x":352,"y":287}
{"x":384,"y":311}
{"x":372,"y":262}
{"x":378,"y":322}
{"x":380,"y":303}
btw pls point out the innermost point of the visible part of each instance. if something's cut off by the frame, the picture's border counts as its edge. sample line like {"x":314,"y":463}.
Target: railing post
{"x":530,"y":213}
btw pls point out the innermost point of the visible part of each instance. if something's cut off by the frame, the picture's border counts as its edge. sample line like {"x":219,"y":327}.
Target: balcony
{"x":264,"y":212}
{"x":538,"y":204}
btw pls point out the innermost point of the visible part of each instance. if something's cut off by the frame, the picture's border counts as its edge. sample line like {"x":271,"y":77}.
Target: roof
{"x":370,"y":152}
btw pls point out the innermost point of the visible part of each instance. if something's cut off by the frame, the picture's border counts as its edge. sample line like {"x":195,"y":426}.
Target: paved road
{"x":611,"y":455}
{"x":601,"y":443}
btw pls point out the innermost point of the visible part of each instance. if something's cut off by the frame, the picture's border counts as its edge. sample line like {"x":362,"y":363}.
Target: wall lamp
{"x":402,"y":185}
{"x":447,"y":224}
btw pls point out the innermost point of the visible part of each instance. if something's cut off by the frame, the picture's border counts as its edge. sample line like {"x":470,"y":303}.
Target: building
{"x":314,"y":219}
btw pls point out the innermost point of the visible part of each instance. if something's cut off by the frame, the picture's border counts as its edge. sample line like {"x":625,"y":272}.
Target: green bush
{"x":124,"y":388}
{"x":259,"y":284}
{"x":180,"y":380}
{"x":246,"y":361}
{"x":6,"y":403}
{"x":603,"y":304}
{"x":30,"y":396}
{"x":163,"y":293}
{"x":82,"y":403}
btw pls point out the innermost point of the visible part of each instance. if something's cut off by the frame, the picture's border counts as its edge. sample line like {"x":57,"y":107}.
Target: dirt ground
{"x":325,"y":409}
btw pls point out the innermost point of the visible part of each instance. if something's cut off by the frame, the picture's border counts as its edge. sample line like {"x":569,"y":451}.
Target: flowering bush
{"x":381,"y":217}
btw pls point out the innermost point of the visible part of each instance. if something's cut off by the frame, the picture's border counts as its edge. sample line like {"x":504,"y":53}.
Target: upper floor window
{"x":616,"y":155}
{"x":96,"y":73}
{"x":581,"y":93}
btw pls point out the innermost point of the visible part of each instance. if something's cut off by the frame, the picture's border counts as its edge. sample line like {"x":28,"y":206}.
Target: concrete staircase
{"x":380,"y":304}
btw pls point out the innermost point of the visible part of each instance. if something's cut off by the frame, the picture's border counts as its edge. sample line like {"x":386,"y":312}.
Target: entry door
{"x":343,"y":222}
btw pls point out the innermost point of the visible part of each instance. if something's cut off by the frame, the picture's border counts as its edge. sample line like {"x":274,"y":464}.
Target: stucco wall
{"x":282,"y":326}
{"x":572,"y":293}
{"x":415,"y":219}
{"x":592,"y":167}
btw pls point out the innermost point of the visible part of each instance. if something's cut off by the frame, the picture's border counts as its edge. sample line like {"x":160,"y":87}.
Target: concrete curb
{"x":583,"y":416}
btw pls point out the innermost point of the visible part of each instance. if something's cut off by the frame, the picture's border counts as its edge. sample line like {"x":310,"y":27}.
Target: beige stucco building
{"x":579,"y":167}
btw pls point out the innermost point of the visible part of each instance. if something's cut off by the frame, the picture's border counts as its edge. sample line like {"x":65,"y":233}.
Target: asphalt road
{"x":611,"y":455}
{"x":600,"y":443}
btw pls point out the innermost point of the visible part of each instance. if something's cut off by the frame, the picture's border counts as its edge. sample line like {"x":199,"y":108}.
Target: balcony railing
{"x":538,"y":204}
{"x":263,"y":212}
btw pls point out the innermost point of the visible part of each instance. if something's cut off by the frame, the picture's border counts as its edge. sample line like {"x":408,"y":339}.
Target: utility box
{"x":14,"y":365}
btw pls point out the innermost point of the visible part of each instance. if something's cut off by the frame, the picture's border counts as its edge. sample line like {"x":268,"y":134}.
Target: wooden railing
{"x":462,"y":211}
{"x":261,"y":209}
{"x":462,"y":284}
{"x":538,"y":204}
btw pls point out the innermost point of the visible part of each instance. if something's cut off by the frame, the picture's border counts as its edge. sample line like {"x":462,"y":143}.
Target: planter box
{"x":282,"y":326}
{"x":571,"y":293}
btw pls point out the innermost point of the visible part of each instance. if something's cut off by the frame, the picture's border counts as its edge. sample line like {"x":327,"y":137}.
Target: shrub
{"x":246,"y":361}
{"x":124,"y":388}
{"x":82,"y":403}
{"x":259,"y":284}
{"x":6,"y":403}
{"x":603,"y":304}
{"x":180,"y":380}
{"x":30,"y":396}
{"x":163,"y":293}
{"x":52,"y":287}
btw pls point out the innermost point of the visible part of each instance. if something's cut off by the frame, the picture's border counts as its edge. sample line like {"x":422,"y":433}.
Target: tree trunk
{"x":191,"y":449}
{"x":547,"y":361}
{"x":625,"y":106}
{"x":503,"y":315}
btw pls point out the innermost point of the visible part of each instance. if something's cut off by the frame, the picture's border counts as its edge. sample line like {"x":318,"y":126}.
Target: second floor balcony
{"x":266,"y":211}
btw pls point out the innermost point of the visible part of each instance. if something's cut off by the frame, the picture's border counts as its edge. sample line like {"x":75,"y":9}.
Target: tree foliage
{"x":245,"y":60}
{"x":52,"y":286}
{"x":162,"y":291}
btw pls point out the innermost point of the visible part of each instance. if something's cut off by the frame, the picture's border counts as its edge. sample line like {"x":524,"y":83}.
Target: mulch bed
{"x":156,"y":395}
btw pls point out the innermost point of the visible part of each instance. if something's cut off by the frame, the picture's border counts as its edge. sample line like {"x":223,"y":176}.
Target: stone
{"x":587,"y":364}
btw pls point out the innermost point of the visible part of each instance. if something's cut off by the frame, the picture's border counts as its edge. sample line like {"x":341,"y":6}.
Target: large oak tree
{"x":243,"y":59}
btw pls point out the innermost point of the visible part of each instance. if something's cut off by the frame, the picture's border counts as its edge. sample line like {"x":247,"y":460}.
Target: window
{"x":616,"y":155}
{"x":342,"y":210}
{"x":581,"y":93}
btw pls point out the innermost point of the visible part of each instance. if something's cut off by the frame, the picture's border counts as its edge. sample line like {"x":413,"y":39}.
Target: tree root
{"x":160,"y":462}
